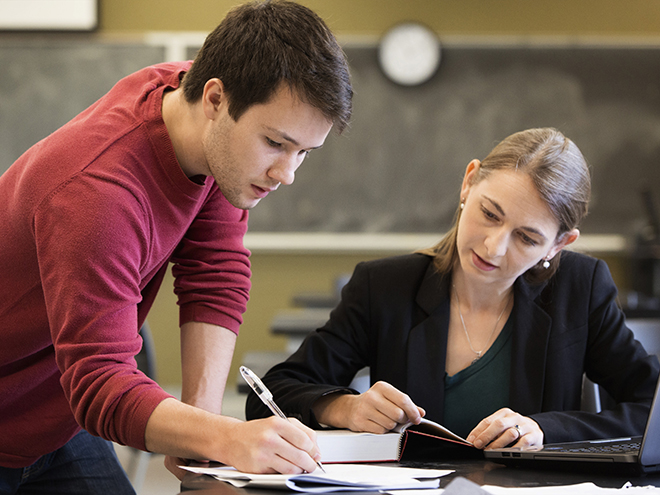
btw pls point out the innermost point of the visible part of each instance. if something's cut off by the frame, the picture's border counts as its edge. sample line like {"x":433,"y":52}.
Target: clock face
{"x":409,"y":54}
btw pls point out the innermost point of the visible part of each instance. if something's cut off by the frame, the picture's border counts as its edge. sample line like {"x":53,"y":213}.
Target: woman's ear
{"x":470,"y":172}
{"x":564,"y":240}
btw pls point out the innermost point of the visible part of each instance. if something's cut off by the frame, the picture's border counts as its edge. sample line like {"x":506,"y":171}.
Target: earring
{"x":546,"y":264}
{"x":462,"y":203}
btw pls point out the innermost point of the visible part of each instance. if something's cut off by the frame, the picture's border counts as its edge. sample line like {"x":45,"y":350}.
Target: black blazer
{"x":394,"y":316}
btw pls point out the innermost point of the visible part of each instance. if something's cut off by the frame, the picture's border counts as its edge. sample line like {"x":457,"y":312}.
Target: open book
{"x":338,"y":477}
{"x":423,"y":441}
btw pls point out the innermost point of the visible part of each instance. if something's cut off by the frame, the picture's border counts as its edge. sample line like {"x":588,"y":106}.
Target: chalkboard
{"x":398,"y":167}
{"x":45,"y":83}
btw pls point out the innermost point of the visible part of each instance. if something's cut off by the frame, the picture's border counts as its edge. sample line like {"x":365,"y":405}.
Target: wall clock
{"x":409,"y":53}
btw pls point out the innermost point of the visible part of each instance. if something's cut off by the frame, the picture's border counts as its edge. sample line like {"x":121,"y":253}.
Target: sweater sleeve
{"x":212,"y":267}
{"x":91,"y":244}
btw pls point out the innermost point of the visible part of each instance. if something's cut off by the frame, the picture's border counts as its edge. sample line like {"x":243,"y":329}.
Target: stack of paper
{"x":338,"y":477}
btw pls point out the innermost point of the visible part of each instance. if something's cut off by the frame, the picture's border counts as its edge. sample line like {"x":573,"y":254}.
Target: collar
{"x":427,"y":345}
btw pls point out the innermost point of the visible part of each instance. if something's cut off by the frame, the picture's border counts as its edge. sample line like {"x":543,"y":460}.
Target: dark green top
{"x":480,"y":389}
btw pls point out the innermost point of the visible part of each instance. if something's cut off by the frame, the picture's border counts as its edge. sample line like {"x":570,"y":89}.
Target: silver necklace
{"x":467,"y":336}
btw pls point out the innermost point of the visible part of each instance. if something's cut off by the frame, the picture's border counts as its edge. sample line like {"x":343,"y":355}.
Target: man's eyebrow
{"x":288,"y":138}
{"x":497,"y":206}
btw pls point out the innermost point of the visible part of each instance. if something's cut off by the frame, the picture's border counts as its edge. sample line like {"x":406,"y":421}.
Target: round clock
{"x":409,"y":53}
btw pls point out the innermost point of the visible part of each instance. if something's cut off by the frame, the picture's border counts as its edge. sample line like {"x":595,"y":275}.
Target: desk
{"x":479,"y":471}
{"x":298,"y":323}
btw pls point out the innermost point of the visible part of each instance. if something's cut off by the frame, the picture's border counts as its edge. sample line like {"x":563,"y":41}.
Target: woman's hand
{"x":503,"y":428}
{"x":378,"y":410}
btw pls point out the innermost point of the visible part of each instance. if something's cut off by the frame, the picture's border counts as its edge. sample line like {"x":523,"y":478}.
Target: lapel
{"x":531,"y":333}
{"x":427,"y":346}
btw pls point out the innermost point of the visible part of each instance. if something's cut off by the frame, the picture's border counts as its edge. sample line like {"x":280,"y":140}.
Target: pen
{"x":264,"y":394}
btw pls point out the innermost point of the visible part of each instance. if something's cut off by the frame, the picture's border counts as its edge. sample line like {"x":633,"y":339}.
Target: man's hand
{"x":273,"y":445}
{"x":172,"y":464}
{"x":378,"y":410}
{"x":261,"y":447}
{"x":194,"y":428}
{"x":504,"y":427}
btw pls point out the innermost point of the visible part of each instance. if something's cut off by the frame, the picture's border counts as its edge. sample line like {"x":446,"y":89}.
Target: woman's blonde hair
{"x":560,"y":174}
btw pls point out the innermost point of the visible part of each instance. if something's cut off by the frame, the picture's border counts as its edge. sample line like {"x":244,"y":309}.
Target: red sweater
{"x":89,"y":218}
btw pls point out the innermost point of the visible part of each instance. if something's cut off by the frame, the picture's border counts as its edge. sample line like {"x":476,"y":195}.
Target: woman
{"x":487,"y":333}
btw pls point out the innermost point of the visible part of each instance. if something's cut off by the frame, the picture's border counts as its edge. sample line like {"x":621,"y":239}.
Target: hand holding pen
{"x":265,"y":395}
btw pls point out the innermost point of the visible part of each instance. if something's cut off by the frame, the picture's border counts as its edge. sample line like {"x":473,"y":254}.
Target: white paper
{"x":579,"y":489}
{"x":337,"y":477}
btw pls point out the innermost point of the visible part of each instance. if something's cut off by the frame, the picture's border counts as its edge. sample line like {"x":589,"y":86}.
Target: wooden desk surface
{"x":479,"y":471}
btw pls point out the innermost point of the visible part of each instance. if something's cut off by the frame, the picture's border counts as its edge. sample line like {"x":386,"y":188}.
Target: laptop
{"x":634,"y":454}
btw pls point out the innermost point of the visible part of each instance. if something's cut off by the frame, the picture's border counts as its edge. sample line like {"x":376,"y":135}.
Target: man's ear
{"x":213,"y":98}
{"x":564,"y":240}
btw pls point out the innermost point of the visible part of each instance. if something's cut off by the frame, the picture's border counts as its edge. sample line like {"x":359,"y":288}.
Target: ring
{"x":518,"y":430}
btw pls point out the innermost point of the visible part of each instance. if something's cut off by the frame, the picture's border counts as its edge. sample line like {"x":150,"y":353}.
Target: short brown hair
{"x":560,"y":174}
{"x":260,"y":45}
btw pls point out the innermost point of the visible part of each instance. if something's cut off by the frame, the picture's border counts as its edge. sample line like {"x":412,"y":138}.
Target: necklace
{"x":467,"y":336}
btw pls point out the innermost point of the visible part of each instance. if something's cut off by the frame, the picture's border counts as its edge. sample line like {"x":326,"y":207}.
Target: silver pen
{"x":265,"y":395}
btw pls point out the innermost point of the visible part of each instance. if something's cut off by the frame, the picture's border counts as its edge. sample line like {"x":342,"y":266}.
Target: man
{"x":159,"y":170}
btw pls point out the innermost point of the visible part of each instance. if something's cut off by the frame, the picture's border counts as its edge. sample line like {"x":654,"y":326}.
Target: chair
{"x":647,"y":333}
{"x":591,"y":401}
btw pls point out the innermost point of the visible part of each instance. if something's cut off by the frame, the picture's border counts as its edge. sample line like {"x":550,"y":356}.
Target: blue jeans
{"x":85,"y":465}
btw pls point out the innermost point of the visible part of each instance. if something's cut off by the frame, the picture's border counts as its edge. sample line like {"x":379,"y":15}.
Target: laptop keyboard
{"x":608,"y":449}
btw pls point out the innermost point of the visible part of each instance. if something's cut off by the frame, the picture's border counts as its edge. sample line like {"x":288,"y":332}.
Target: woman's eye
{"x":488,"y":214}
{"x":272,"y":143}
{"x":527,"y":240}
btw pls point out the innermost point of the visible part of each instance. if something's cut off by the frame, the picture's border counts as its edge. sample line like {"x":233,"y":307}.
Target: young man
{"x":159,"y":170}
